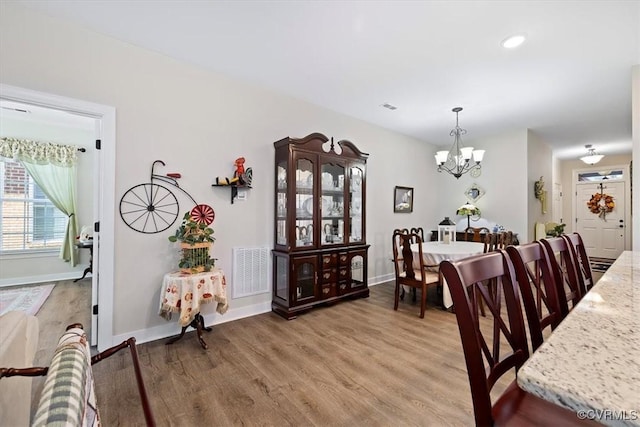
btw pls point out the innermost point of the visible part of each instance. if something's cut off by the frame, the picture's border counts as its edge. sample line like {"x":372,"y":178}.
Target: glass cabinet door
{"x":332,"y":203}
{"x":304,"y":271}
{"x":281,"y":203}
{"x":357,"y":271}
{"x":356,"y":208}
{"x":304,"y":202}
{"x":281,"y":277}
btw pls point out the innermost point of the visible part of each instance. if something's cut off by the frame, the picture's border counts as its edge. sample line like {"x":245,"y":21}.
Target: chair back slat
{"x":476,"y":234}
{"x":538,"y":289}
{"x":419,"y":231}
{"x":564,"y":273}
{"x":581,"y":261}
{"x":492,"y":346}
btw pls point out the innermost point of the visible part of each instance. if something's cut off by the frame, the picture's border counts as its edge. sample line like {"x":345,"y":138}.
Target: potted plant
{"x":195,"y":241}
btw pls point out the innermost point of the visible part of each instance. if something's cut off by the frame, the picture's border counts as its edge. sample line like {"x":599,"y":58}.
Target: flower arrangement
{"x":196,"y":238}
{"x":601,"y":204}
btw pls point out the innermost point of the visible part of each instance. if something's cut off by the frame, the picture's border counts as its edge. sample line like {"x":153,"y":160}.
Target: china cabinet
{"x":320,"y":253}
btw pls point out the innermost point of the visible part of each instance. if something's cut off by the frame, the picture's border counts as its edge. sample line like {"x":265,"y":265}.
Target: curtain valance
{"x":40,"y":153}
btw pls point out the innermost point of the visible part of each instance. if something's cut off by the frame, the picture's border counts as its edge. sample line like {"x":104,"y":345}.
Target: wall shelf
{"x":234,"y":189}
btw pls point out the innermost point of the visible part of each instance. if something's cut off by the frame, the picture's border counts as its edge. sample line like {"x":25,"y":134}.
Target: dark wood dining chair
{"x":414,"y":273}
{"x":476,"y":234}
{"x":581,"y":260}
{"x":564,"y":273}
{"x":496,"y":346}
{"x":490,"y":242}
{"x":538,"y":289}
{"x":398,"y":259}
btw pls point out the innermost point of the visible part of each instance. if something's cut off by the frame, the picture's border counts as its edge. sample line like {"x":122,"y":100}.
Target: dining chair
{"x":496,"y":346}
{"x":414,"y":273}
{"x":581,"y":260}
{"x":490,"y":242}
{"x":564,"y":273}
{"x":397,"y":260}
{"x":537,"y":289}
{"x":476,"y":234}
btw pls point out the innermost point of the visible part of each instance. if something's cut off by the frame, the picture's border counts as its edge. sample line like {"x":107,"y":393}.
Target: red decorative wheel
{"x":203,"y":214}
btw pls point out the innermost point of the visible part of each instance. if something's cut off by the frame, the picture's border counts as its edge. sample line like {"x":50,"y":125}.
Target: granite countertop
{"x":591,"y":362}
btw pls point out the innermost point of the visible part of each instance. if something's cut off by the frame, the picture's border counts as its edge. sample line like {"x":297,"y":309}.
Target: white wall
{"x":503,"y":178}
{"x":539,"y":164}
{"x":15,"y":269}
{"x":198,"y":122}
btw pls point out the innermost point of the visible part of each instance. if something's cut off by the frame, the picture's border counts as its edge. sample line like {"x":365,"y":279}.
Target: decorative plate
{"x":327,"y":180}
{"x":308,"y":206}
{"x":327,"y":203}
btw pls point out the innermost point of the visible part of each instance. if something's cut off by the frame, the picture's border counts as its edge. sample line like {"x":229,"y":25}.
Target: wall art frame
{"x":403,"y":199}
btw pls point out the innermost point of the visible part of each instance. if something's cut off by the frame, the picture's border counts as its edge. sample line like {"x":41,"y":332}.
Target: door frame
{"x":627,"y":194}
{"x":104,"y":197}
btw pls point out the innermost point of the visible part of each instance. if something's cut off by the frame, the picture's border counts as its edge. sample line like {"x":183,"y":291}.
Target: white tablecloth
{"x":436,"y":252}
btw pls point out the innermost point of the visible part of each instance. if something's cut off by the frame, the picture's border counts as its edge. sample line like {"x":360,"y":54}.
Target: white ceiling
{"x":570,"y":82}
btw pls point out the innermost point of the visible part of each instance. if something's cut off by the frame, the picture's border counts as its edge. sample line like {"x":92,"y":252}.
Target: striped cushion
{"x":68,"y":396}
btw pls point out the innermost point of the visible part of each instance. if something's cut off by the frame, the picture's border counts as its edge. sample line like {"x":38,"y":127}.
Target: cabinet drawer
{"x":329,"y":260}
{"x":328,"y":291}
{"x":343,"y":287}
{"x":343,"y":273}
{"x":343,"y":257}
{"x":329,"y":275}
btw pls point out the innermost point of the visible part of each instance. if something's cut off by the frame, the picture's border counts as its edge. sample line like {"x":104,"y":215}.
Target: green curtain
{"x":53,"y":167}
{"x":59,"y":185}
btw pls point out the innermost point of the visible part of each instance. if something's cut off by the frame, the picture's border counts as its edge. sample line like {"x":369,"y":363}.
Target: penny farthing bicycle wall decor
{"x":152,"y":207}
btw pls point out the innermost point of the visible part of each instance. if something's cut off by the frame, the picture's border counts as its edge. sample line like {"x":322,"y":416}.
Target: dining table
{"x":436,"y":252}
{"x":590,"y":363}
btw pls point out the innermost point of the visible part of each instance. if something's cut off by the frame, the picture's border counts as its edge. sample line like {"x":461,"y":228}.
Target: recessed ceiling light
{"x":513,"y":41}
{"x":389,"y":106}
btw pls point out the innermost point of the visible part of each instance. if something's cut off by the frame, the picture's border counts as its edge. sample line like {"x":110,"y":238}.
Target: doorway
{"x":602,"y":227}
{"x":102,"y":203}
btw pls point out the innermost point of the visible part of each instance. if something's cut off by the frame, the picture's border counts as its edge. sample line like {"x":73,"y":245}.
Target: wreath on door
{"x":601,"y":204}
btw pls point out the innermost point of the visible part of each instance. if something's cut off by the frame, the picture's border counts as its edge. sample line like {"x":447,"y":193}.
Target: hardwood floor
{"x":68,"y":303}
{"x":354,"y":363}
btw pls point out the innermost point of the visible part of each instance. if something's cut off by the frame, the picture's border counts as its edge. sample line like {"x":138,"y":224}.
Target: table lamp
{"x":469,"y":210}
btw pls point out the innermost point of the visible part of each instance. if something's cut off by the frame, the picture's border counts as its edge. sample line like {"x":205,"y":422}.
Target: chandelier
{"x":591,"y":158}
{"x":457,"y":161}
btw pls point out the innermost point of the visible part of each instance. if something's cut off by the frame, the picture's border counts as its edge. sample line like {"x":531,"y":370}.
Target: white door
{"x":603,"y":237}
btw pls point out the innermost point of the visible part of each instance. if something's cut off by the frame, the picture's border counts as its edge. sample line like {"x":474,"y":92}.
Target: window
{"x":600,"y":176}
{"x":29,"y":222}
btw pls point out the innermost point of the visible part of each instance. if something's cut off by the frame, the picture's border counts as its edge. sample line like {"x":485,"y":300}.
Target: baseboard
{"x":382,"y":279}
{"x":27,"y":280}
{"x":171,"y":327}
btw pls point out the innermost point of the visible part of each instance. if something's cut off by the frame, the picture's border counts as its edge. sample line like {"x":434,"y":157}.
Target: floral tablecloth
{"x":184,"y":293}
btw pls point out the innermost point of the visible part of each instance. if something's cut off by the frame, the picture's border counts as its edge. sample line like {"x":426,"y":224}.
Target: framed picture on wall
{"x":403,"y":200}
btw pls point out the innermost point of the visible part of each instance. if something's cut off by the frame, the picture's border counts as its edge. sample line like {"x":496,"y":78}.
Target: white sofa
{"x":18,"y":345}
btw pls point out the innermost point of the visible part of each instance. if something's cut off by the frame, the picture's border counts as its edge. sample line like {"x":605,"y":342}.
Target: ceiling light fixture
{"x":591,"y":158}
{"x":513,"y":41}
{"x":456,"y":161}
